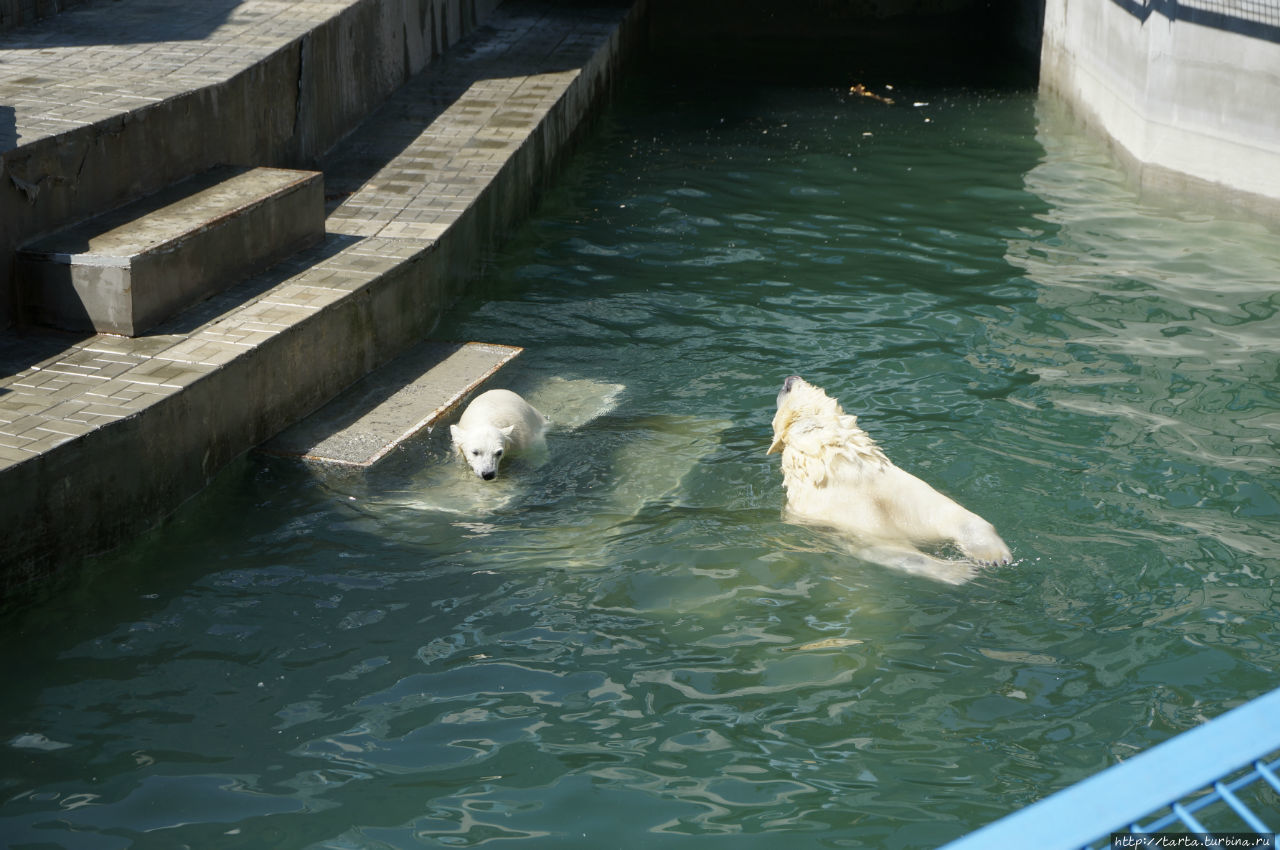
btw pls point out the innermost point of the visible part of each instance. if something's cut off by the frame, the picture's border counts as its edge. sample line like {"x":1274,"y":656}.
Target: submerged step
{"x":391,"y":404}
{"x":127,"y":270}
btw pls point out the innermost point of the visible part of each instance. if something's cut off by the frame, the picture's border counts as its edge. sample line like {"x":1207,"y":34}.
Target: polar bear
{"x":496,"y":423}
{"x":835,"y":475}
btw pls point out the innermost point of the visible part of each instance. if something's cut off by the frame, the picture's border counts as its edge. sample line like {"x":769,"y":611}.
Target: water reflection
{"x":1157,"y":326}
{"x":626,"y":644}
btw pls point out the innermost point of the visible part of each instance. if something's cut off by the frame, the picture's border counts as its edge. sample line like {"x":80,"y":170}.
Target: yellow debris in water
{"x":828,"y":643}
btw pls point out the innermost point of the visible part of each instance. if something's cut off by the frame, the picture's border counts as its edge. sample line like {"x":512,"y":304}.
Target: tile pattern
{"x":101,"y":60}
{"x":398,"y":183}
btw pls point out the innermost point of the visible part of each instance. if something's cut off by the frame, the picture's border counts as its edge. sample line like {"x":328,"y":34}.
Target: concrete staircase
{"x":112,"y":100}
{"x":418,"y":193}
{"x":127,"y":270}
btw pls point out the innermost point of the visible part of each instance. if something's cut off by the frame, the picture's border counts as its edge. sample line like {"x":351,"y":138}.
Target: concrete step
{"x":126,"y":270}
{"x":107,"y":101}
{"x":390,"y":405}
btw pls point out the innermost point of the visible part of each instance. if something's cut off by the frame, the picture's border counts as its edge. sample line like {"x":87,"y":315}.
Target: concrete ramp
{"x":363,"y":424}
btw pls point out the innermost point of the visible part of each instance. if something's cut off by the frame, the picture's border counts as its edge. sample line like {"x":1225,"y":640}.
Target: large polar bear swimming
{"x":835,"y":475}
{"x":495,"y":424}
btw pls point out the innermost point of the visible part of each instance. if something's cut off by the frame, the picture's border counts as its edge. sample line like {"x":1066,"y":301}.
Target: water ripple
{"x":625,"y":643}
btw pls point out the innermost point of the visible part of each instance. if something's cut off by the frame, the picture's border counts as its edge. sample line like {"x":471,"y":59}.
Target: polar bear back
{"x":887,"y":502}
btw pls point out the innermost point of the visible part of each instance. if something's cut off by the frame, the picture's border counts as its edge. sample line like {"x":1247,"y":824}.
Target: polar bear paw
{"x":981,"y":543}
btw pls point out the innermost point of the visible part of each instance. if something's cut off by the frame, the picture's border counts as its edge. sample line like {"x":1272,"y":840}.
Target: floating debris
{"x":829,"y":643}
{"x":863,"y":91}
{"x":36,"y":741}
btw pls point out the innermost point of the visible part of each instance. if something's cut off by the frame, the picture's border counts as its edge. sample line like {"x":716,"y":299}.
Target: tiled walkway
{"x":101,"y":60}
{"x":398,"y":184}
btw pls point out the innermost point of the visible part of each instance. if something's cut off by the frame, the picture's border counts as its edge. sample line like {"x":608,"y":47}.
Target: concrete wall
{"x":284,"y":111}
{"x":1192,"y":100}
{"x":19,"y":13}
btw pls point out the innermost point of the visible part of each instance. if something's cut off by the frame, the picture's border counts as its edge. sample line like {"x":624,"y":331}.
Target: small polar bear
{"x":835,"y":475}
{"x":495,"y":424}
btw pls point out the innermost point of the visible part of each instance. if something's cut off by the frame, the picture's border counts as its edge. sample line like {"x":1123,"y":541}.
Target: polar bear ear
{"x":456,"y":433}
{"x":782,"y":422}
{"x":507,"y":430}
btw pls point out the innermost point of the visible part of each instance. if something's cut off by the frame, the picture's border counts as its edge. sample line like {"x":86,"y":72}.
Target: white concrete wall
{"x":1187,"y":102}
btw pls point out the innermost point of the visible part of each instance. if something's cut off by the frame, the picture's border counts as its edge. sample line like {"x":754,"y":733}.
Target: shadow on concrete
{"x":324,"y":429}
{"x":412,"y":108}
{"x":121,"y":22}
{"x":241,"y":293}
{"x":24,"y":347}
{"x":1260,"y":20}
{"x":20,"y":349}
{"x":8,"y":128}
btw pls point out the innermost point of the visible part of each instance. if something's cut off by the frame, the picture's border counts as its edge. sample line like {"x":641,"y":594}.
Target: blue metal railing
{"x":1171,"y":785}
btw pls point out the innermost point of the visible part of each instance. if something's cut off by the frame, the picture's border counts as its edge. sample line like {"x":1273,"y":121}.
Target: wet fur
{"x":835,"y":475}
{"x":498,"y":423}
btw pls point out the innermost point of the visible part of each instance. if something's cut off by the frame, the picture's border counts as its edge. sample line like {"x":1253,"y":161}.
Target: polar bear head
{"x":816,"y":436}
{"x":482,"y":447}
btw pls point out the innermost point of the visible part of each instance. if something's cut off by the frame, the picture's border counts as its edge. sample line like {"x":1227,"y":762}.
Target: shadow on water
{"x":975,"y":44}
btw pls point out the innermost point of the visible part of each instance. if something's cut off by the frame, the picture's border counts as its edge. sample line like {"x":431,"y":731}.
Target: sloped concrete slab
{"x":390,"y":405}
{"x":125,"y":271}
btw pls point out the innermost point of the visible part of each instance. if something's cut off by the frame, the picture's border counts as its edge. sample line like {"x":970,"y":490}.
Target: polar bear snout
{"x":787,"y":386}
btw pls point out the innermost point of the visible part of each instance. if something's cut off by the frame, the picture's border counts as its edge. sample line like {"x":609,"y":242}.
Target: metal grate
{"x":1254,"y":18}
{"x":1223,"y":801}
{"x":1223,"y":776}
{"x":1263,"y":12}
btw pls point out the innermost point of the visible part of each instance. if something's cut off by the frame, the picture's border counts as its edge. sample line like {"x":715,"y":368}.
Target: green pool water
{"x":623,"y":645}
